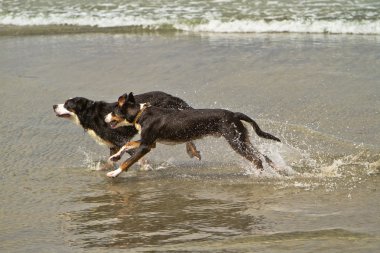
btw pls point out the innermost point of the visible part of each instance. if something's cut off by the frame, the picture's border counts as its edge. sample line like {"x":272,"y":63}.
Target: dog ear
{"x":121,"y":100}
{"x":131,"y":98}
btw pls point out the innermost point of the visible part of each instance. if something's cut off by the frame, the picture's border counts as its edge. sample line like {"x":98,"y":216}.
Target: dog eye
{"x":116,"y":113}
{"x":69,"y":105}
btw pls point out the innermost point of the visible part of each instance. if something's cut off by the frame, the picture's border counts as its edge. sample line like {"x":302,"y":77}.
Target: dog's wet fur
{"x":168,"y":126}
{"x":90,"y":115}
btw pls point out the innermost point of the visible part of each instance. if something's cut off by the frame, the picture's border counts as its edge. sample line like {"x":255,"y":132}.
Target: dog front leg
{"x":142,"y":150}
{"x":128,"y":146}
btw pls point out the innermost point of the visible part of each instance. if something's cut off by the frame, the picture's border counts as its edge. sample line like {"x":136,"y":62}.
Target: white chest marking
{"x":138,"y":127}
{"x":98,"y":139}
{"x":74,"y":118}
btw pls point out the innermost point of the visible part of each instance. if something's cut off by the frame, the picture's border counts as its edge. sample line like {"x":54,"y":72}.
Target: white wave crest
{"x":85,"y":20}
{"x":105,"y":20}
{"x":248,"y":26}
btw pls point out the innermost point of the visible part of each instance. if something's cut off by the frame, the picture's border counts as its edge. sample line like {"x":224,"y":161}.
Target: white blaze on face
{"x":63,"y":112}
{"x":108,"y":118}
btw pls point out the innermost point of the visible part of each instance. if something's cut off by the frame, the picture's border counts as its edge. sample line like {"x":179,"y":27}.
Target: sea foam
{"x":248,"y":26}
{"x":211,"y":25}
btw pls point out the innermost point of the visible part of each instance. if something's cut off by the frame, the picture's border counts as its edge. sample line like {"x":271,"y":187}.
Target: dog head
{"x":124,"y":112}
{"x":72,"y":109}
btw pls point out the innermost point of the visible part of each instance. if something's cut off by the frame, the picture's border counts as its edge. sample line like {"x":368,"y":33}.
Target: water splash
{"x":280,"y":170}
{"x":169,"y":163}
{"x":91,"y":160}
{"x":308,"y":159}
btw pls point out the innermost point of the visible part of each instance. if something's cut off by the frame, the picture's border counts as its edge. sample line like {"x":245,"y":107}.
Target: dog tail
{"x":256,"y":127}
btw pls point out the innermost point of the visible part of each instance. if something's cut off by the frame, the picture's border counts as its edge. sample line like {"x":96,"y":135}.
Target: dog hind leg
{"x":237,"y":137}
{"x":192,"y":151}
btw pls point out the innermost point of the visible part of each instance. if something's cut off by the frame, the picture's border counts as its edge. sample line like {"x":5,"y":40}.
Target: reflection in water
{"x":136,"y":211}
{"x":181,"y":202}
{"x":184,"y":207}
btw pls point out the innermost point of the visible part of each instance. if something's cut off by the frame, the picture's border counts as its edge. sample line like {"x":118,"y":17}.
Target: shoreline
{"x":13,"y":30}
{"x":67,"y":29}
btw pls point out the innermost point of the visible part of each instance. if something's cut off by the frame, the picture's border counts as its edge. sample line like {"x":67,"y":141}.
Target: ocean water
{"x":306,"y":71}
{"x":299,"y":16}
{"x":318,"y":93}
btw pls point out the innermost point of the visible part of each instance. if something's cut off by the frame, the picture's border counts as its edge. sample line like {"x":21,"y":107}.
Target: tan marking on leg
{"x":133,"y":159}
{"x":130,"y":145}
{"x":128,"y":163}
{"x":192,"y":151}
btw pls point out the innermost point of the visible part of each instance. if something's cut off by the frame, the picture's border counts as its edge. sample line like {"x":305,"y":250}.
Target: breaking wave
{"x":139,"y":24}
{"x":219,"y":16}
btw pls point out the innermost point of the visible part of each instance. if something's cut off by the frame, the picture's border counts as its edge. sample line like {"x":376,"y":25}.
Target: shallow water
{"x":319,"y":94}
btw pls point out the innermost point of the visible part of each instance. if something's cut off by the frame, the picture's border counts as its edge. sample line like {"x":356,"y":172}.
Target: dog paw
{"x":114,"y":173}
{"x":198,"y":155}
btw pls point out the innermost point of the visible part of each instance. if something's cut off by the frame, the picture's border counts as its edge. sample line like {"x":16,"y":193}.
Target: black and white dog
{"x":165,"y":126}
{"x":90,"y":115}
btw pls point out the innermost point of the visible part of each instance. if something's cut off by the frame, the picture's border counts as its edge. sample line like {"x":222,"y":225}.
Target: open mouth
{"x":61,"y":111}
{"x":113,"y":124}
{"x":65,"y":115}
